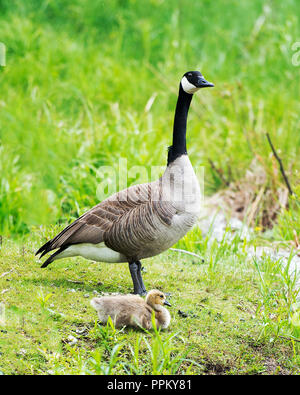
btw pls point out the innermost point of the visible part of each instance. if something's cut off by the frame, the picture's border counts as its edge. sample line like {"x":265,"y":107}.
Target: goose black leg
{"x":136,"y":275}
{"x":140,"y":278}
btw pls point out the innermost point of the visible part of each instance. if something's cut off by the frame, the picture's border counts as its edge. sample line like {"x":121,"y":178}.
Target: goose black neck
{"x":178,"y":146}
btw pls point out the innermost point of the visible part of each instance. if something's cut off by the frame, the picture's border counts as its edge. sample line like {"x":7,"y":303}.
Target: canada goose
{"x":132,"y":310}
{"x":143,"y":220}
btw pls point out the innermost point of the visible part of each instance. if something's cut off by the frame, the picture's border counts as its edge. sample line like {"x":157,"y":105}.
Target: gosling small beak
{"x":167,"y":303}
{"x":202,"y":83}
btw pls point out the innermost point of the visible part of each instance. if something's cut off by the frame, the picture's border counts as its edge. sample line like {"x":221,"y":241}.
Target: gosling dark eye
{"x":161,"y":296}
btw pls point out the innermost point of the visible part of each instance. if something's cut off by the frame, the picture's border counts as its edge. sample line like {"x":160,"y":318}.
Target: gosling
{"x":132,"y":310}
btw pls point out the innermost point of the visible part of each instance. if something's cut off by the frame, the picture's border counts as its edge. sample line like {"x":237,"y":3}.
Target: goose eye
{"x":161,"y":296}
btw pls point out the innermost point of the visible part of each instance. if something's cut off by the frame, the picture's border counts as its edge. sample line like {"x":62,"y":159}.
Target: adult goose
{"x":143,"y":220}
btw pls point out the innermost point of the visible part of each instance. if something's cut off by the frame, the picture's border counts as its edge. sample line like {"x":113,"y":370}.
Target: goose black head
{"x":193,"y":81}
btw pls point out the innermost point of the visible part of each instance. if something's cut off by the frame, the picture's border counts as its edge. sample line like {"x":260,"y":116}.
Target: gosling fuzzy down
{"x":132,"y":310}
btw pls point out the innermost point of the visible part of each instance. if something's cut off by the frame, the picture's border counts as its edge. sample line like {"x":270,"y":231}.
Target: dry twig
{"x":186,"y":252}
{"x":280,"y":165}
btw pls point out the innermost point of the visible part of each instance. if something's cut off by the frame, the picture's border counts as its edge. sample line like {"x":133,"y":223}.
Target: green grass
{"x":74,"y":97}
{"x":79,"y":75}
{"x":242,"y":315}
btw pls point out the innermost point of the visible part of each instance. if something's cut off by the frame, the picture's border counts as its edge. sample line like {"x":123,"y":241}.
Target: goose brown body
{"x":139,"y":222}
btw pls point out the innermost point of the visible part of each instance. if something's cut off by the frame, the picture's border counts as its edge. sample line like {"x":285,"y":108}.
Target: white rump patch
{"x":94,"y":252}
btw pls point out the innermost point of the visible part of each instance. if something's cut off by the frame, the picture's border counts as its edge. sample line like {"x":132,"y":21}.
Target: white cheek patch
{"x":187,"y":86}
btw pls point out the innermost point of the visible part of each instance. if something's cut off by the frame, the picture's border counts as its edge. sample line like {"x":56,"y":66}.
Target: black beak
{"x":202,"y":83}
{"x":167,"y":303}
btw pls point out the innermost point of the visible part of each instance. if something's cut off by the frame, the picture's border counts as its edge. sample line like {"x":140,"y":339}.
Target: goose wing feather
{"x":127,"y":221}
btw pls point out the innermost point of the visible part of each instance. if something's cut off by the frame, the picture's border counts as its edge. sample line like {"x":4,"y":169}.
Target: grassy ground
{"x":87,"y":83}
{"x":240,"y":315}
{"x":79,"y":76}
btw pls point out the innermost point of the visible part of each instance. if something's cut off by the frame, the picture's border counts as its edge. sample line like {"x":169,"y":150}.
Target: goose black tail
{"x":52,"y":257}
{"x":43,"y":248}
